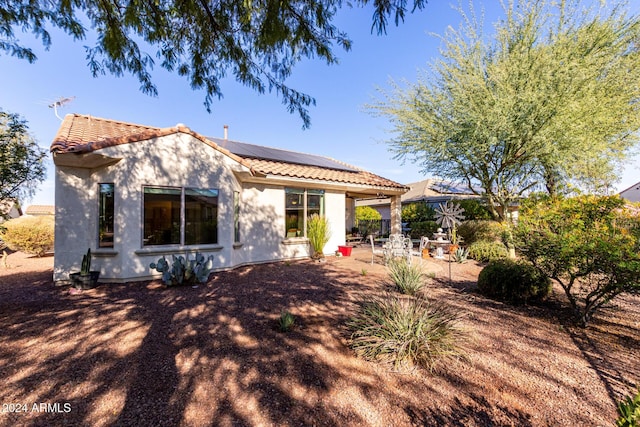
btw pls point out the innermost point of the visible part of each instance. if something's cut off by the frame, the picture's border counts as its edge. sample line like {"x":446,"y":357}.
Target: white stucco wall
{"x":175,"y":161}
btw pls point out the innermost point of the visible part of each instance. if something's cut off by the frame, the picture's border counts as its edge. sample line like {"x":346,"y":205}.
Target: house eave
{"x":91,"y":160}
{"x":353,"y":189}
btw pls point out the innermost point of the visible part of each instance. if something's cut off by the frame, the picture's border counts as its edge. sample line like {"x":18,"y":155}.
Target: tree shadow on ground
{"x":144,"y":354}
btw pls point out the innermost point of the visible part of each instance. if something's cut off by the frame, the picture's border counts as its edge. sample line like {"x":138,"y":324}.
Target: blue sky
{"x":340,"y":126}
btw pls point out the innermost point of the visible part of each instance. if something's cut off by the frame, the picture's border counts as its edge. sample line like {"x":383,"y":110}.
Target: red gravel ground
{"x":142,"y":354}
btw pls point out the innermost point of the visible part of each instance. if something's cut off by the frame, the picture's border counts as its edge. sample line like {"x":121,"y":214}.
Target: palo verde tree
{"x":21,"y":160}
{"x":257,"y":42}
{"x":589,"y":245}
{"x":549,"y":101}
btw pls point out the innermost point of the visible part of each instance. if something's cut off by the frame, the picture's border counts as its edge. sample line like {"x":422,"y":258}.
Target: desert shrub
{"x":422,"y":228}
{"x":319,"y":233}
{"x":485,"y":251}
{"x":30,"y":234}
{"x":407,"y":278}
{"x":629,"y":411}
{"x":589,"y":245}
{"x":406,"y":332}
{"x":477,"y":230}
{"x":513,"y":281}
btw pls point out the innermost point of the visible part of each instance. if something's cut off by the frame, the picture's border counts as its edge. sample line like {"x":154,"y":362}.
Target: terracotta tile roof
{"x":81,"y":133}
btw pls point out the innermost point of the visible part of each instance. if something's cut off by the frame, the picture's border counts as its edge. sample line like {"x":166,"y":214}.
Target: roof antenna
{"x":59,"y":103}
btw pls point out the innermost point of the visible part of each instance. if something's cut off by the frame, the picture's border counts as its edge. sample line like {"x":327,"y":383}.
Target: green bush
{"x":422,"y":228}
{"x":477,"y":230}
{"x":485,"y":251}
{"x":367,"y":213}
{"x":629,"y":411}
{"x":406,"y":332}
{"x":513,"y":281}
{"x":408,"y":278}
{"x":417,"y":212}
{"x":30,"y":234}
{"x":474,"y":209}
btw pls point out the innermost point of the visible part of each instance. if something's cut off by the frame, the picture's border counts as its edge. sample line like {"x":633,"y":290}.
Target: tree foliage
{"x":21,"y":160}
{"x":549,"y":101}
{"x":30,"y":234}
{"x":417,"y":212}
{"x":258,"y":42}
{"x":590,"y":245}
{"x":367,"y":213}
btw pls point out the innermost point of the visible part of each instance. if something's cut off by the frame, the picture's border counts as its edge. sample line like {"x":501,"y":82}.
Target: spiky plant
{"x":318,"y":233}
{"x":286,"y":321}
{"x":407,"y":278}
{"x":406,"y":332}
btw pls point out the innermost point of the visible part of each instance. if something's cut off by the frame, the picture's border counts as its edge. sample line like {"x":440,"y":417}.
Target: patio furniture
{"x":374,"y":251}
{"x":424,"y":244}
{"x":399,"y":246}
{"x":354,"y":240}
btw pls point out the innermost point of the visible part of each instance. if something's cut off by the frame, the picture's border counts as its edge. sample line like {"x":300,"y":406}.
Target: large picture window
{"x":105,"y":215}
{"x":299,"y":205}
{"x":201,"y":216}
{"x":175,"y":216}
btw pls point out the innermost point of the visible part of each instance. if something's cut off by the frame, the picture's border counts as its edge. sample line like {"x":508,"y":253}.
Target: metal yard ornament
{"x":449,"y":215}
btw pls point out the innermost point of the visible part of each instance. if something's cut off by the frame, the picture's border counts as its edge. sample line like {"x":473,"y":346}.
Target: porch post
{"x":350,"y":213}
{"x":396,"y":215}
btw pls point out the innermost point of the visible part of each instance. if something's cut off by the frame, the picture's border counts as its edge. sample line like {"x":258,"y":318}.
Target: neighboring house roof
{"x":40,"y":210}
{"x":9,"y":209}
{"x":85,"y":134}
{"x":632,"y":193}
{"x":429,"y":190}
{"x":435,"y":188}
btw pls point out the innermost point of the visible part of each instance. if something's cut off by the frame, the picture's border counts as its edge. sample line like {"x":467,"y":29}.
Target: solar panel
{"x":451,"y":188}
{"x":259,"y":152}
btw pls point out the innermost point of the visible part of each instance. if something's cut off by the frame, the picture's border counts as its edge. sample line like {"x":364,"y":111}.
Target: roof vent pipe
{"x":226,"y":132}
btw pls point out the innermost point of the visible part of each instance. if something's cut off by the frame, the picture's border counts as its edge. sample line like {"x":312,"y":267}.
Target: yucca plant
{"x":407,"y":278}
{"x":406,"y":332}
{"x":318,"y":233}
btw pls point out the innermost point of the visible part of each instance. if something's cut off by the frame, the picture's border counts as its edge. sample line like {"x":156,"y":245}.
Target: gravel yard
{"x":142,"y":354}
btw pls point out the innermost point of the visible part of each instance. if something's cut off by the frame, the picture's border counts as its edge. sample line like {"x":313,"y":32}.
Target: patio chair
{"x":424,"y":244}
{"x":375,"y":251}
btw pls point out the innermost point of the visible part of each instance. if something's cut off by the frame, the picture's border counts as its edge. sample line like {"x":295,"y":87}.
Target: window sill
{"x":295,"y":241}
{"x":104,"y":253}
{"x":176,"y":249}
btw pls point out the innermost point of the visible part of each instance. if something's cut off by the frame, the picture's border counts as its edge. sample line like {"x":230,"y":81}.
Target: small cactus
{"x":183,"y":270}
{"x":86,"y":263}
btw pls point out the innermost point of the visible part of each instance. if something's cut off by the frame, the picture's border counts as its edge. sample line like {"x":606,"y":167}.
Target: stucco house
{"x":133,"y":193}
{"x":632,"y":193}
